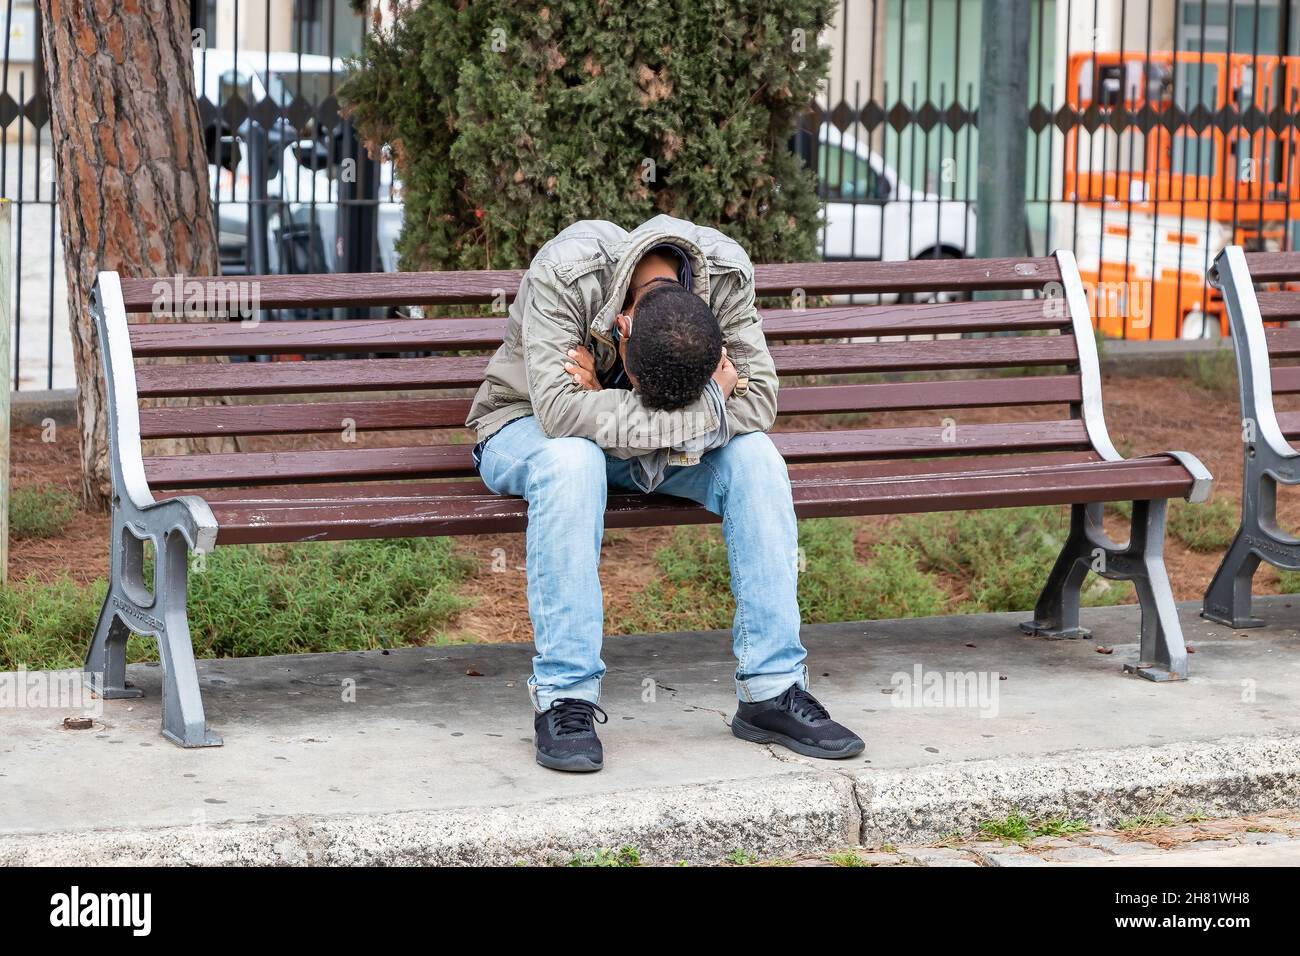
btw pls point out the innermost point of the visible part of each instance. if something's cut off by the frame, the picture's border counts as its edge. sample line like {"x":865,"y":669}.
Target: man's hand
{"x":725,"y":374}
{"x":582,"y":369}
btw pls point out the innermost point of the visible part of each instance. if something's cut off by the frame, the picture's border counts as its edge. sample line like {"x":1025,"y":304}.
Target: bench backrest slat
{"x":400,"y":414}
{"x":346,"y":375}
{"x":428,"y":461}
{"x":366,"y":290}
{"x":171,"y":339}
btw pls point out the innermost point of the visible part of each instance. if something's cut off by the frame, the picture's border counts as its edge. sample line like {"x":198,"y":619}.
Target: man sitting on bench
{"x":636,"y":361}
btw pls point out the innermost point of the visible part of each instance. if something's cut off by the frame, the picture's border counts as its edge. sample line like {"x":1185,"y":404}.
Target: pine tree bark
{"x":133,"y":174}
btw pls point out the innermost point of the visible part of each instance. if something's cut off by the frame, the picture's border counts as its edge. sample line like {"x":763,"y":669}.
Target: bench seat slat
{"x":358,"y":290}
{"x":815,"y":495}
{"x":892,"y":468}
{"x":289,"y":467}
{"x":283,"y":378}
{"x":401,"y":414}
{"x":153,"y":339}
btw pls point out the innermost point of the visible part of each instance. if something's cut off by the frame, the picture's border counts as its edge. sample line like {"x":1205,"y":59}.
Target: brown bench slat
{"x":152,"y":339}
{"x":362,"y":290}
{"x":1273,"y":266}
{"x":1286,"y":380}
{"x":888,"y":468}
{"x":1289,"y":422}
{"x":1283,"y":343}
{"x":357,"y":464}
{"x":814,"y":496}
{"x":1278,"y":306}
{"x":404,"y":414}
{"x":282,"y":378}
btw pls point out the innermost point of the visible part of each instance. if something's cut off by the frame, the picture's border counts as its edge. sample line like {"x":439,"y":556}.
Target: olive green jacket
{"x":569,"y":297}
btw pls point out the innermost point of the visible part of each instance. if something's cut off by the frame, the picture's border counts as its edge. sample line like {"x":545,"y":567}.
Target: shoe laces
{"x":574,"y":716}
{"x":804,"y":704}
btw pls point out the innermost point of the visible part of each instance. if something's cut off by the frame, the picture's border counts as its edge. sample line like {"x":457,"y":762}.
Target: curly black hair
{"x":674,"y":347}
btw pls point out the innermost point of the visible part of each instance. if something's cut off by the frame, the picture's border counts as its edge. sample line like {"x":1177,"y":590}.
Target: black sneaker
{"x":796,"y":720}
{"x":566,"y":736}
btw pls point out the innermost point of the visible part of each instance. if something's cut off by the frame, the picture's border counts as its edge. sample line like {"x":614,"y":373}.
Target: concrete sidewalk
{"x":433,"y":762}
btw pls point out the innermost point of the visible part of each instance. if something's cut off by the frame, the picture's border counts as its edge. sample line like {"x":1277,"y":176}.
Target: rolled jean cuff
{"x":544,"y":695}
{"x":756,"y":687}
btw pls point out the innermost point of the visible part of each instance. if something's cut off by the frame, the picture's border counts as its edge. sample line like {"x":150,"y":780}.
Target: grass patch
{"x":1001,"y":556}
{"x":349,"y":596}
{"x":951,"y":563}
{"x":623,"y":856}
{"x":1059,"y":826}
{"x":1146,"y":821}
{"x":40,"y":511}
{"x":846,"y":858}
{"x":739,"y":857}
{"x":1214,"y":371}
{"x":1209,"y":526}
{"x":1012,"y":827}
{"x":47,"y":625}
{"x":1019,"y":828}
{"x":693,"y":591}
{"x":261,"y":600}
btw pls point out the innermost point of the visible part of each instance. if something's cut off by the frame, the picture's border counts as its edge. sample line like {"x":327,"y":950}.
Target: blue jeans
{"x":566,"y":480}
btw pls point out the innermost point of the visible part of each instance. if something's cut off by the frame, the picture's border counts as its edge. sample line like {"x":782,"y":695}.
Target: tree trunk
{"x":133,"y":174}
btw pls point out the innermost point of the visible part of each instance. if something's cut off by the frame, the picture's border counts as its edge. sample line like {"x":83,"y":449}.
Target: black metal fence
{"x":1156,"y":133}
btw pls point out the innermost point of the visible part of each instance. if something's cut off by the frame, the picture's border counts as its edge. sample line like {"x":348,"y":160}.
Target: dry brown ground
{"x":1144,"y":415}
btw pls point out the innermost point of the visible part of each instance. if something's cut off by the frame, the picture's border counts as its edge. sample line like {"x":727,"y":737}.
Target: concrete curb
{"x":797,"y":812}
{"x":34,"y":407}
{"x":1230,"y":776}
{"x":774,"y":817}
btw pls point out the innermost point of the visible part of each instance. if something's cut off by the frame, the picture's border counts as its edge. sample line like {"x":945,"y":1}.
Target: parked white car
{"x":870,"y":213}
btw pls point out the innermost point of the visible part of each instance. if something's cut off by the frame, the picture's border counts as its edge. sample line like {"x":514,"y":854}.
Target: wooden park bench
{"x":1047,"y":446}
{"x":1265,"y":368}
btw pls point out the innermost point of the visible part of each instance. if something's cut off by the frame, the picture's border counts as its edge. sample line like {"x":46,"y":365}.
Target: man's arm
{"x":752,"y":405}
{"x":615,"y":419}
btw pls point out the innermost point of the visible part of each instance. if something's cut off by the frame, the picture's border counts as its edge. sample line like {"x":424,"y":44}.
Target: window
{"x":844,"y":175}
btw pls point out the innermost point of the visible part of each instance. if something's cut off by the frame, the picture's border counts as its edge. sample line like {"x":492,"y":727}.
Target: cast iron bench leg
{"x":1057,"y":612}
{"x":1228,"y":598}
{"x":130,"y":607}
{"x":105,"y":669}
{"x":1163,"y":656}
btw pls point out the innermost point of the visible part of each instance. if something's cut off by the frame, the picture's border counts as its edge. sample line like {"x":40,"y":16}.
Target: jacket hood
{"x":659,"y":231}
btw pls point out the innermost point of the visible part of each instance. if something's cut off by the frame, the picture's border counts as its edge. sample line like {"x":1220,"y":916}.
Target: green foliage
{"x":1209,"y":526}
{"x":624,"y":856}
{"x":260,"y":600}
{"x":40,"y":511}
{"x":48,"y":625}
{"x":846,"y":858}
{"x":1146,"y":821}
{"x":354,"y":595}
{"x":694,"y":592}
{"x":739,"y":857}
{"x":1288,"y":582}
{"x":1215,"y":371}
{"x":1012,"y":827}
{"x":1059,"y":826}
{"x":1001,"y":556}
{"x":1019,"y":828}
{"x":510,"y":121}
